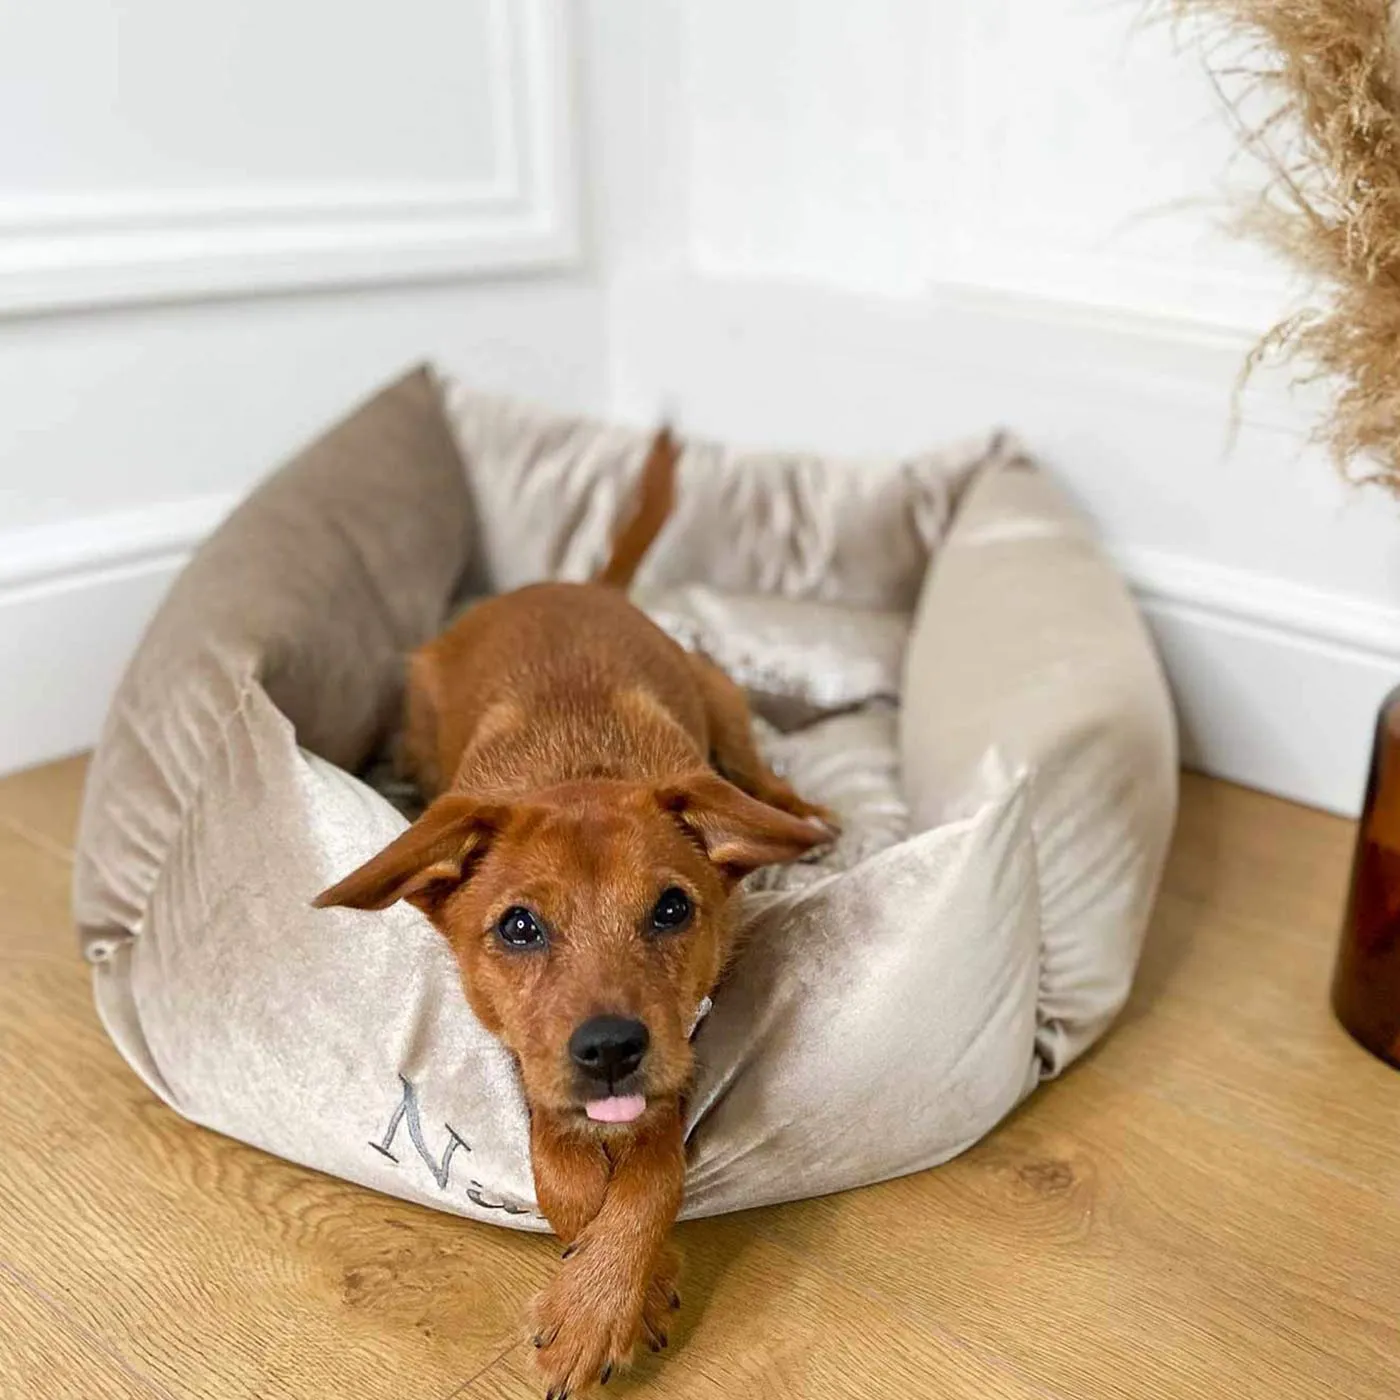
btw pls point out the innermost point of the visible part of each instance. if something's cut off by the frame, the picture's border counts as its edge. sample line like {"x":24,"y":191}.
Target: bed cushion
{"x":796,"y":659}
{"x":548,"y":491}
{"x":975,"y":929}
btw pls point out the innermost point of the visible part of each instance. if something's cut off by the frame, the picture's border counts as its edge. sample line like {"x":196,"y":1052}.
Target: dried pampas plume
{"x":1332,"y":141}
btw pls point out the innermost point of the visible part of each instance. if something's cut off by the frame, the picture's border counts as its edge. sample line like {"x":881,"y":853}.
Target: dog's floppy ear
{"x":738,"y":832}
{"x":424,"y":864}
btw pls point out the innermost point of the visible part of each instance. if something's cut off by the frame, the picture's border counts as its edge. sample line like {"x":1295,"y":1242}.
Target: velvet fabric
{"x":938,"y":649}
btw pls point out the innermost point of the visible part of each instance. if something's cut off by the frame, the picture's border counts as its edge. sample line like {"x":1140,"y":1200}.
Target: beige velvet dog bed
{"x":937,"y":649}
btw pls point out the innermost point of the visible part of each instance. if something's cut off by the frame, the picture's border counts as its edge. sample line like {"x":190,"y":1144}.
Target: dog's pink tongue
{"x":616,"y":1110}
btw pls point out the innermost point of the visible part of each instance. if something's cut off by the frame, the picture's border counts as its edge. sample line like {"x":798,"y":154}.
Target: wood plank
{"x":36,"y":922}
{"x":1230,"y":1016}
{"x":45,"y":801}
{"x":1106,"y":1242}
{"x":1244,"y":853}
{"x":760,"y":1320}
{"x":139,"y":1222}
{"x":42,"y":1357}
{"x":1243,"y":1034}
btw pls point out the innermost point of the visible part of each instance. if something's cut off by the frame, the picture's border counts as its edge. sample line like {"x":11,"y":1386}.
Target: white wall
{"x":854,"y":227}
{"x":219,"y":227}
{"x":869,"y":227}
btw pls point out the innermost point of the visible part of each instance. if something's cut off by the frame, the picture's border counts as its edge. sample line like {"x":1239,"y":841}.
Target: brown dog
{"x":579,"y":860}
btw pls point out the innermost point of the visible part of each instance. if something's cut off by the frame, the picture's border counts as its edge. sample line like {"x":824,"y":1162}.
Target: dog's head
{"x":589,"y":922}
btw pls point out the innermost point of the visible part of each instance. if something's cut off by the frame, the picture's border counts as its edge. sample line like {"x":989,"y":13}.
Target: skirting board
{"x":74,"y":601}
{"x":1276,"y":685}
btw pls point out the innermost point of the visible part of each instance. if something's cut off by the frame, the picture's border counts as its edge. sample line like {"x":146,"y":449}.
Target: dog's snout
{"x":609,"y":1047}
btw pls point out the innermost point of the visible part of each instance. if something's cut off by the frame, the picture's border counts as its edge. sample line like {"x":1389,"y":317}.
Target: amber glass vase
{"x":1366,"y":990}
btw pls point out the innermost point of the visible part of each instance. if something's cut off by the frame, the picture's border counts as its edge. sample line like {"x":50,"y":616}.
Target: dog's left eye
{"x":671,"y":911}
{"x":518,"y":929}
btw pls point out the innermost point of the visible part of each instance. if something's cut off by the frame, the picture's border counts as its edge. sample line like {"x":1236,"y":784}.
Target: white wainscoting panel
{"x":220,"y":228}
{"x":1097,"y":164}
{"x":1065,"y":149}
{"x":440,"y":146}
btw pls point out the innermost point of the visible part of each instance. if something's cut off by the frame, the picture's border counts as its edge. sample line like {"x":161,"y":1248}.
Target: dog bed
{"x":934,"y":646}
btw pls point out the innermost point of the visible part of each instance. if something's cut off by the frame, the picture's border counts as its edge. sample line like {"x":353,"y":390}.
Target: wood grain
{"x":44,"y":802}
{"x":35,"y":923}
{"x":213,"y":1267}
{"x":761,"y":1320}
{"x":41,"y":1354}
{"x":1208,"y":1206}
{"x":1117,"y":1219}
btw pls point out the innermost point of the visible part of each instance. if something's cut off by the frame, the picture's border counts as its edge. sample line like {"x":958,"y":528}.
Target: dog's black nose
{"x":609,"y":1047}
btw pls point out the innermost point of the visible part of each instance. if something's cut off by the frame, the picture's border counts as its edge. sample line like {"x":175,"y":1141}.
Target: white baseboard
{"x":74,"y":600}
{"x":1277,"y":685}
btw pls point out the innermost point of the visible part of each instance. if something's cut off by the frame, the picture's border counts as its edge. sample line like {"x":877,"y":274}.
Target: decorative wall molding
{"x":39,"y":557}
{"x":989,"y":233}
{"x":1353,"y":628}
{"x":86,"y":252}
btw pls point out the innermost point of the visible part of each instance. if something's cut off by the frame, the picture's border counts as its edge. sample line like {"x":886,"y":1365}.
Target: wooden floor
{"x":1208,"y":1206}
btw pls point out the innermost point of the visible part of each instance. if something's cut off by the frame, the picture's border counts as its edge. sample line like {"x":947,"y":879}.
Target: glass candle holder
{"x":1366,"y":987}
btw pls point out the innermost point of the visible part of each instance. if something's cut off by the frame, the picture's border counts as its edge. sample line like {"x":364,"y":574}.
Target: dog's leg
{"x":571,"y":1177}
{"x":570,"y":1189}
{"x":418,"y":758}
{"x":618,"y":1277}
{"x":734,"y":752}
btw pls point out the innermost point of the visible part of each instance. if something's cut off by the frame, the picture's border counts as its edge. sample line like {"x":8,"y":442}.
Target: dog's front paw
{"x":584,"y":1326}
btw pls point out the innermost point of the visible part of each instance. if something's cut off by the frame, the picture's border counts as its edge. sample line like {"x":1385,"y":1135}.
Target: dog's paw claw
{"x":656,"y":1338}
{"x":662,"y":1300}
{"x":606,"y":1374}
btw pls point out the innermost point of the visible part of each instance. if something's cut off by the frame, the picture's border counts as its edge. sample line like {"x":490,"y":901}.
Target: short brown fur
{"x":581,"y":763}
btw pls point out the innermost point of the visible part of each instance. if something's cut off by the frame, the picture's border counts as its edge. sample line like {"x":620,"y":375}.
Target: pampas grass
{"x":1332,"y":143}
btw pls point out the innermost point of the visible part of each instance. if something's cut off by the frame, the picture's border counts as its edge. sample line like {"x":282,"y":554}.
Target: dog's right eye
{"x":672,"y":911}
{"x":519,"y":929}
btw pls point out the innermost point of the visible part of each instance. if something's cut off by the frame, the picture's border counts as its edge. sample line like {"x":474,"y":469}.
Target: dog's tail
{"x":656,"y":496}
